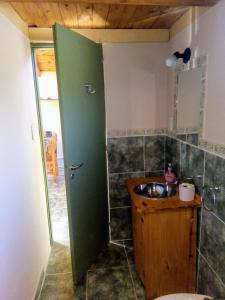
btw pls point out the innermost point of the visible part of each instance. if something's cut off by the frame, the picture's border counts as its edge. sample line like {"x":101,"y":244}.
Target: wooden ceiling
{"x":93,"y":14}
{"x":45,"y":59}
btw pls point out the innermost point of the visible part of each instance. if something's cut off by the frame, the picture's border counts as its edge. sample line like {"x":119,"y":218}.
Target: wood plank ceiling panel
{"x":142,"y":14}
{"x":128,"y":14}
{"x":135,"y":2}
{"x":52,"y":12}
{"x":115,"y":15}
{"x":86,"y":15}
{"x":37,"y":14}
{"x":45,"y":60}
{"x":157,"y":19}
{"x":168,"y":18}
{"x":69,"y":14}
{"x":21,"y":9}
{"x":100,"y":15}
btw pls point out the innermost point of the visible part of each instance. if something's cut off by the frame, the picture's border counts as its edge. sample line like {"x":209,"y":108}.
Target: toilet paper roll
{"x":186,"y":191}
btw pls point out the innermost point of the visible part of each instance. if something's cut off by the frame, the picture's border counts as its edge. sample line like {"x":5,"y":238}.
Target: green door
{"x":82,"y":107}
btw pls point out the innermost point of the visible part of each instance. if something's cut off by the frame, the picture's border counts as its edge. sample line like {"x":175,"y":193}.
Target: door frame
{"x":35,"y":46}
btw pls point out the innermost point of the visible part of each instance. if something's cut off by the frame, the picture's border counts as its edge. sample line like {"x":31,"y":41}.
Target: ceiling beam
{"x":134,"y":2}
{"x":44,"y":35}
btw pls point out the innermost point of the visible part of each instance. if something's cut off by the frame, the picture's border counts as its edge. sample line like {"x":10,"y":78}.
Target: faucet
{"x":188,"y":178}
{"x":191,"y":178}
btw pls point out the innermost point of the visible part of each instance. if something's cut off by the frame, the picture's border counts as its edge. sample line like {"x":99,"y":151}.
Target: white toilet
{"x":184,"y":297}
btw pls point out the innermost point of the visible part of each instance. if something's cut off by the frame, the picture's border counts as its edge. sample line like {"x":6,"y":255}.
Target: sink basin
{"x":155,"y":190}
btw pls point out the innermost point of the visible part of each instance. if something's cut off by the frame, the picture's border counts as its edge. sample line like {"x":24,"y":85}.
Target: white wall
{"x":47,"y":83}
{"x":24,"y":240}
{"x":50,"y":113}
{"x":205,"y":36}
{"x":135,"y":85}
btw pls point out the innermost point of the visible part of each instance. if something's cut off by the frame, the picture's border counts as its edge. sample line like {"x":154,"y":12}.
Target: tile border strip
{"x":213,"y":148}
{"x":186,"y":130}
{"x":124,"y":173}
{"x":117,"y":133}
{"x":209,"y":147}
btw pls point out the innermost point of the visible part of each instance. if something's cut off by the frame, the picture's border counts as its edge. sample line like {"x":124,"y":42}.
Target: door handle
{"x":76,"y":167}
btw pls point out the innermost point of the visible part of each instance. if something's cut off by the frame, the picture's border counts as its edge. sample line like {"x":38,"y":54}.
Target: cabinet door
{"x":170,"y":241}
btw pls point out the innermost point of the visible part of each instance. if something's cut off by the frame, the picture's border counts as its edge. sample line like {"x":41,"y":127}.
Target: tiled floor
{"x":112,"y":277}
{"x":58,"y":206}
{"x":58,"y":282}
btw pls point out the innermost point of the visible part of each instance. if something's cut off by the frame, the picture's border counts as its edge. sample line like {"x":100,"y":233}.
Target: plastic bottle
{"x":170,"y":175}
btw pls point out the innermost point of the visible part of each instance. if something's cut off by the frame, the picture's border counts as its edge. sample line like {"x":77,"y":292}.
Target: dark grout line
{"x":127,"y":266}
{"x":130,"y":272}
{"x":105,"y":268}
{"x":58,"y":274}
{"x":86,"y":288}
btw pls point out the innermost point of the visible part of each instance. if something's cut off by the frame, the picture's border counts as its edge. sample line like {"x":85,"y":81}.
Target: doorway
{"x":82,"y":110}
{"x":53,"y":160}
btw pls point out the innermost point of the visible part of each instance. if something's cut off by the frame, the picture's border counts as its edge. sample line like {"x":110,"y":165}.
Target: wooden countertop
{"x":147,"y":205}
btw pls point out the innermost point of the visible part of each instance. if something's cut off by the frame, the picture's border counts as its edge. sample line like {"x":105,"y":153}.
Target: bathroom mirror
{"x":189,"y":94}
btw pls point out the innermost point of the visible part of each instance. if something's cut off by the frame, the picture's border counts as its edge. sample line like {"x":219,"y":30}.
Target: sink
{"x":155,"y":190}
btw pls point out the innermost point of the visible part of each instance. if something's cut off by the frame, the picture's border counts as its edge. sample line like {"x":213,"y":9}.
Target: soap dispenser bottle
{"x":170,"y":175}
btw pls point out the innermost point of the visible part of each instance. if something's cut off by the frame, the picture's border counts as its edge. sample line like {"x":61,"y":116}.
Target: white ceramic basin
{"x":183,"y":297}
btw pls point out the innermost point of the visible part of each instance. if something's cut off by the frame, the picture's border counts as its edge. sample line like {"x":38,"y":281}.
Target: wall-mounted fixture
{"x":172,"y":59}
{"x":212,"y":194}
{"x":89,"y":88}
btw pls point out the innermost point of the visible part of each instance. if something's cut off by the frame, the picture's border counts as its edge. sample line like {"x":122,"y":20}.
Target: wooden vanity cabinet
{"x":164,"y":236}
{"x":138,"y":240}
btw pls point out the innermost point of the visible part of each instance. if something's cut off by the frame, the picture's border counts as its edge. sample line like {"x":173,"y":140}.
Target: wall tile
{"x":125,"y":154}
{"x":192,"y":138}
{"x":208,"y":283}
{"x":215,"y":177}
{"x":182,"y":136}
{"x":118,"y":193}
{"x":156,"y":173}
{"x":199,"y":213}
{"x":126,"y":160}
{"x":213,"y":242}
{"x":120,"y":223}
{"x":154,"y":153}
{"x":131,"y":132}
{"x":192,"y":164}
{"x":173,"y":153}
